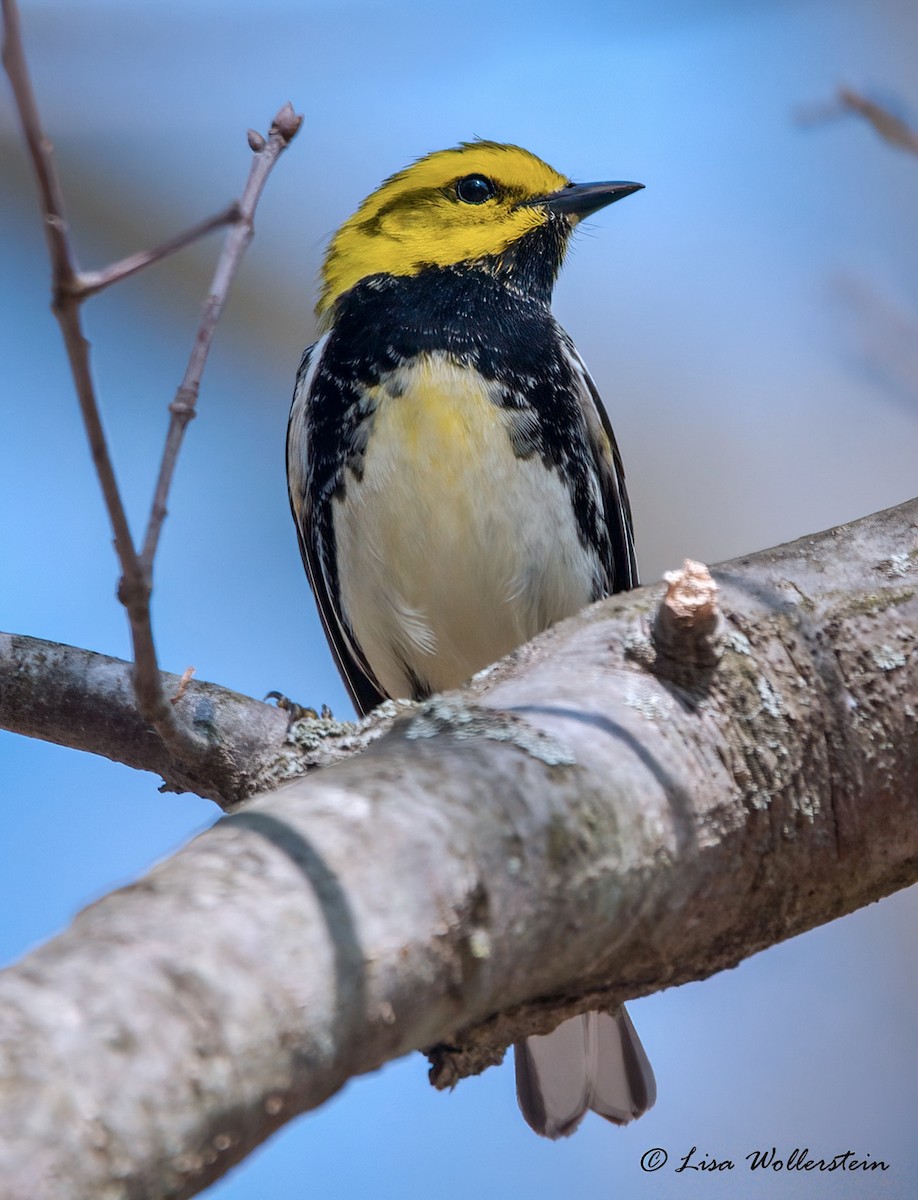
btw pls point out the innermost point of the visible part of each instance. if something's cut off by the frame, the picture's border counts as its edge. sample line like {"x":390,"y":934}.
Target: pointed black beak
{"x":579,"y":200}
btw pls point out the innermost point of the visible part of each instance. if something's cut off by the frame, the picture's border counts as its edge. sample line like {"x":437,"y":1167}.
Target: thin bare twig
{"x":70,"y":288}
{"x":88,"y":283}
{"x":40,"y":148}
{"x":135,"y":585}
{"x":183,"y":683}
{"x":266,"y":153}
{"x":64,"y":270}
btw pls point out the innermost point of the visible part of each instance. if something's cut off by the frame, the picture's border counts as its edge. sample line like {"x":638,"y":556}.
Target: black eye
{"x":475,"y":189}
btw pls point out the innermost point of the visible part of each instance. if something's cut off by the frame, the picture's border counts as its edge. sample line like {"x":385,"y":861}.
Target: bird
{"x":455,"y":483}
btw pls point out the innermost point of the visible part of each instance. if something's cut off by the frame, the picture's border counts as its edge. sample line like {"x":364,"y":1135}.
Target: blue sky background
{"x":749,"y":319}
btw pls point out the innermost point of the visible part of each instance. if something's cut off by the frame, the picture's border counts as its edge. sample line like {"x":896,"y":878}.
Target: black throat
{"x":468,"y":309}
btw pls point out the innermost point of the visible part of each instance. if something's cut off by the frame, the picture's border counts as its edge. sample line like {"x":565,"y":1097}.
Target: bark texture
{"x":84,"y":700}
{"x":588,"y":822}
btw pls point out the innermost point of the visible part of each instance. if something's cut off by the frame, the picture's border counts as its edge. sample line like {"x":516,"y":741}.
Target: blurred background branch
{"x":890,"y":127}
{"x":883,"y":332}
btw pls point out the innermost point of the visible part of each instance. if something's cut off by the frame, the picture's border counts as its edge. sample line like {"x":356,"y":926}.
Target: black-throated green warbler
{"x":455,"y":482}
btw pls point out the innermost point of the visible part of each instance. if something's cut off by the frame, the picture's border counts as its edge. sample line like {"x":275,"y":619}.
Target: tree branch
{"x":575,"y":828}
{"x":284,"y":129}
{"x":89,"y":283}
{"x":64,"y":277}
{"x":70,"y":289}
{"x":86,"y":701}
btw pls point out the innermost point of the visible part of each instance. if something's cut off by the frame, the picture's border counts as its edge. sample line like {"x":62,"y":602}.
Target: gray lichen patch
{"x":639,"y":648}
{"x":310,"y":732}
{"x":771,"y":699}
{"x":736,"y":640}
{"x":897,"y":566}
{"x":887,"y":659}
{"x":646,"y":702}
{"x":467,"y":722}
{"x":319,"y":741}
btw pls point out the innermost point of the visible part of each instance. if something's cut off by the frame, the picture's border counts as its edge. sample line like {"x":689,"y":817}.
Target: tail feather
{"x":623,"y":1086}
{"x":553,"y":1078}
{"x":591,"y":1062}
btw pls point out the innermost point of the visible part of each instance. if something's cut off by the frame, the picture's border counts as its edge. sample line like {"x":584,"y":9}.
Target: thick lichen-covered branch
{"x":575,"y":828}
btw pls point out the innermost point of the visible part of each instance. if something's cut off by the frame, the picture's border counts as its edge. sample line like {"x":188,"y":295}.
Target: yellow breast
{"x":451,"y":550}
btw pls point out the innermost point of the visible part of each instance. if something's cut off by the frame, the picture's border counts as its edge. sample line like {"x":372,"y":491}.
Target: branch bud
{"x":287,"y":123}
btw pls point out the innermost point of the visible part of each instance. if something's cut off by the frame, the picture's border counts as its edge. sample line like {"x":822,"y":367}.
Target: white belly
{"x":451,"y":549}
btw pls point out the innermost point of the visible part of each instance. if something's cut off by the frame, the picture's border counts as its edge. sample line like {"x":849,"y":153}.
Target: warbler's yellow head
{"x":478,"y":203}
